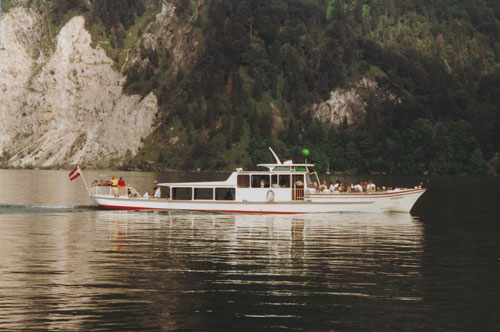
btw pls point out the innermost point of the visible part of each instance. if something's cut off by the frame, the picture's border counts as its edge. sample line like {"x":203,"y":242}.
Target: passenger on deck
{"x":95,"y":183}
{"x":114,"y":184}
{"x":121,"y":187}
{"x":121,"y":182}
{"x":358,"y":188}
{"x":157,"y":192}
{"x":323,"y":186}
{"x":370,"y":187}
{"x":335,"y":186}
{"x":132,"y":193}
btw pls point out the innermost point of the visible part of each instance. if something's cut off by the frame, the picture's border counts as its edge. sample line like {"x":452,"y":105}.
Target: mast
{"x":278,"y":161}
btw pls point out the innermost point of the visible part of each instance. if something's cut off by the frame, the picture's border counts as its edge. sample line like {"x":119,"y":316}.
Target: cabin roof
{"x":284,"y":165}
{"x":196,"y":184}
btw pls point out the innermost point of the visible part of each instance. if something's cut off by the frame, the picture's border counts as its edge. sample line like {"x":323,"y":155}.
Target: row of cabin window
{"x":222,"y":194}
{"x":265,"y":181}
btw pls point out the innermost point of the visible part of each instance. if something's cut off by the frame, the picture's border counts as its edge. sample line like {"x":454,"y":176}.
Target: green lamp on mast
{"x":305,"y":153}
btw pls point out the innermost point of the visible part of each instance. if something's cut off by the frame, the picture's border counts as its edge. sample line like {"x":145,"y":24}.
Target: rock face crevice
{"x":68,"y":107}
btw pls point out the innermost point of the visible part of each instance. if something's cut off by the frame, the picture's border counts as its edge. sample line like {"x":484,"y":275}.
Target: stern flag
{"x":74,"y":173}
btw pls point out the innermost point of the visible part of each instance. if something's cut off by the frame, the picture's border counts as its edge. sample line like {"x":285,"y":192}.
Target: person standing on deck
{"x":114,"y":185}
{"x":121,"y":186}
{"x":157,"y":192}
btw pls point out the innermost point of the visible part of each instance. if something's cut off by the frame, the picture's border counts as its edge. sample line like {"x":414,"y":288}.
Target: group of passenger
{"x":157,"y":193}
{"x":118,"y":186}
{"x":114,"y":182}
{"x":338,"y":187}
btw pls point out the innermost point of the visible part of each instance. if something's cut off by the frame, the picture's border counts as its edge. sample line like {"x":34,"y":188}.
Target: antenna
{"x":274,"y":154}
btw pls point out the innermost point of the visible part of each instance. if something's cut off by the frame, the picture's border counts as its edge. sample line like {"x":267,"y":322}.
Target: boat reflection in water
{"x":153,"y":270}
{"x":235,"y":237}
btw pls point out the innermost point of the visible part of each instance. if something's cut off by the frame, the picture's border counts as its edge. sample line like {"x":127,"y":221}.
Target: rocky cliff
{"x":63,"y":101}
{"x":348,"y":105}
{"x":66,"y":106}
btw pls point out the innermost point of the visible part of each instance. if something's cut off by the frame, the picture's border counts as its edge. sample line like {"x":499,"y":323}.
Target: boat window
{"x":300,"y":169}
{"x":274,"y":181}
{"x":225,"y":194}
{"x":281,"y":168}
{"x":299,"y":181}
{"x":243,"y":181}
{"x":204,"y":193}
{"x":260,"y":181}
{"x":182,"y":193}
{"x":284,"y":181}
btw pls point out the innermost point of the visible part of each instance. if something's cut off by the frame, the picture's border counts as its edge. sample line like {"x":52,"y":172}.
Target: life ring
{"x":270,"y":196}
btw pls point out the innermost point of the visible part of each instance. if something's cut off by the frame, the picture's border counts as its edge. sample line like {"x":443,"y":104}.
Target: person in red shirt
{"x":121,"y":182}
{"x":121,"y":186}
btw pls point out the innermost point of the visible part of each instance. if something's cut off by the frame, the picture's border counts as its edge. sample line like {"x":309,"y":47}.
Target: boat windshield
{"x":309,"y":182}
{"x":311,"y":178}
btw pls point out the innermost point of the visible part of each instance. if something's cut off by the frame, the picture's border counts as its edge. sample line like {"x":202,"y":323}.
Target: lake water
{"x":67,"y":266}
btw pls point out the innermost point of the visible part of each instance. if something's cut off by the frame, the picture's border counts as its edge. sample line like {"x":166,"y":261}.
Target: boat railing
{"x":110,"y":191}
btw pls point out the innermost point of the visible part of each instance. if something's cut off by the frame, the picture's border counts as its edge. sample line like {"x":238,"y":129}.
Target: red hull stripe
{"x":117,"y":207}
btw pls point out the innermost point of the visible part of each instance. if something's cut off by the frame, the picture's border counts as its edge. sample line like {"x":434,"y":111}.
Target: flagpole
{"x":83,"y":178}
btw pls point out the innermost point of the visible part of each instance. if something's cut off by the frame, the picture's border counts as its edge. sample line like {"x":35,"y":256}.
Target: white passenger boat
{"x":281,"y":188}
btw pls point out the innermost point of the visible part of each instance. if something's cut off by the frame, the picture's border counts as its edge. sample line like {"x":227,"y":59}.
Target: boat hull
{"x":395,"y":201}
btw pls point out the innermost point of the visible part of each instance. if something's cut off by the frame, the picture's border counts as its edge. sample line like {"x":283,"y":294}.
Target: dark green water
{"x":66,"y":266}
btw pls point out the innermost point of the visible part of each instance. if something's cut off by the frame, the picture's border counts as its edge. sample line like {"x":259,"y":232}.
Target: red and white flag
{"x":74,"y":173}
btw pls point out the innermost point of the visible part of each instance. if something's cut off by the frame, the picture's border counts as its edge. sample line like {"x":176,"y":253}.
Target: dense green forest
{"x":261,"y":64}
